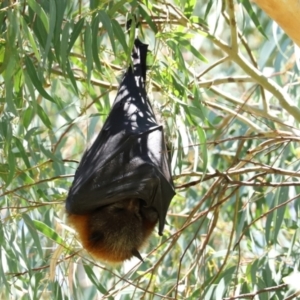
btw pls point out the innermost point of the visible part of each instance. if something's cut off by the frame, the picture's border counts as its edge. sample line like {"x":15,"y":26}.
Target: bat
{"x":123,"y":186}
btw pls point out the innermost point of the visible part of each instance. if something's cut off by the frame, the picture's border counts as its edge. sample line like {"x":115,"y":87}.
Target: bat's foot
{"x":137,"y":254}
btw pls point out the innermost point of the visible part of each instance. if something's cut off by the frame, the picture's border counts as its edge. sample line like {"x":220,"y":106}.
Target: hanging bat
{"x":123,"y":184}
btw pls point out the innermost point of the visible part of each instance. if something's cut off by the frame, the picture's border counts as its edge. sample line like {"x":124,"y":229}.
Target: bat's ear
{"x":137,"y":254}
{"x":130,"y":21}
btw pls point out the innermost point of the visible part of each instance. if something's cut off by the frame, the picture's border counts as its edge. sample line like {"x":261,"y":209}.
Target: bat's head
{"x":116,"y":232}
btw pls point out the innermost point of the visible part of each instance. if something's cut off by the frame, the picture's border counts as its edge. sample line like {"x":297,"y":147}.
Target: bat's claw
{"x":137,"y":254}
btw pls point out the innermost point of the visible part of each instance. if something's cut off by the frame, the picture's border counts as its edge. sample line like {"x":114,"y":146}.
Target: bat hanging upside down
{"x":123,"y":184}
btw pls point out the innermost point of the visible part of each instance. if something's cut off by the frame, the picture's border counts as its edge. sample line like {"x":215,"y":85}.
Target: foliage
{"x":223,"y":78}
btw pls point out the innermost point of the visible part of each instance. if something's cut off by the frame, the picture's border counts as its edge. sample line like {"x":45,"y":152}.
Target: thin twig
{"x":35,"y":183}
{"x":233,"y":27}
{"x":252,"y":295}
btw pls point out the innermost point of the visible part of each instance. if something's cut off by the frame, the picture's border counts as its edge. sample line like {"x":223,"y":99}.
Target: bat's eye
{"x":119,"y":209}
{"x":96,"y":236}
{"x":149,"y":213}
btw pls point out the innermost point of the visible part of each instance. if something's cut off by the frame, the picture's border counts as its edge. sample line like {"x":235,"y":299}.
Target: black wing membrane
{"x":129,"y":158}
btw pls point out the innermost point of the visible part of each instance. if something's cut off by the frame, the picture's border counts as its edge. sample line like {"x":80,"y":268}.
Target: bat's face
{"x":117,"y":231}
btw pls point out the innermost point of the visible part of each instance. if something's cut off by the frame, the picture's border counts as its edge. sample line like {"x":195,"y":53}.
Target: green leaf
{"x":43,"y":116}
{"x":203,"y":147}
{"x":65,"y":46}
{"x":4,"y":171}
{"x":22,"y":152}
{"x":37,"y":8}
{"x":32,"y":229}
{"x":49,"y":232}
{"x":95,"y":47}
{"x":60,"y":9}
{"x":117,"y":6}
{"x":12,"y":167}
{"x":91,"y":275}
{"x":270,"y":198}
{"x":183,"y":134}
{"x":119,"y":33}
{"x":52,"y":19}
{"x":75,"y":33}
{"x":187,"y":45}
{"x":247,"y":5}
{"x":181,"y":62}
{"x":35,"y":80}
{"x":49,"y":154}
{"x":3,"y":275}
{"x":148,"y":18}
{"x":9,"y":99}
{"x":88,"y":50}
{"x":30,"y":38}
{"x":28,"y":115}
{"x":104,"y":18}
{"x":283,"y":195}
{"x":208,"y":8}
{"x":189,"y":7}
{"x":23,"y":248}
{"x":200,"y":21}
{"x":71,"y":76}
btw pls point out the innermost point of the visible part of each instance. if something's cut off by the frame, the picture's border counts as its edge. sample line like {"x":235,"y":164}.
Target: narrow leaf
{"x":49,"y":232}
{"x":253,"y":16}
{"x":104,"y":18}
{"x":88,"y":51}
{"x":43,"y":116}
{"x":31,"y":227}
{"x":75,"y":33}
{"x":91,"y":275}
{"x":119,"y":33}
{"x":52,"y":19}
{"x":35,"y":80}
{"x":95,"y":47}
